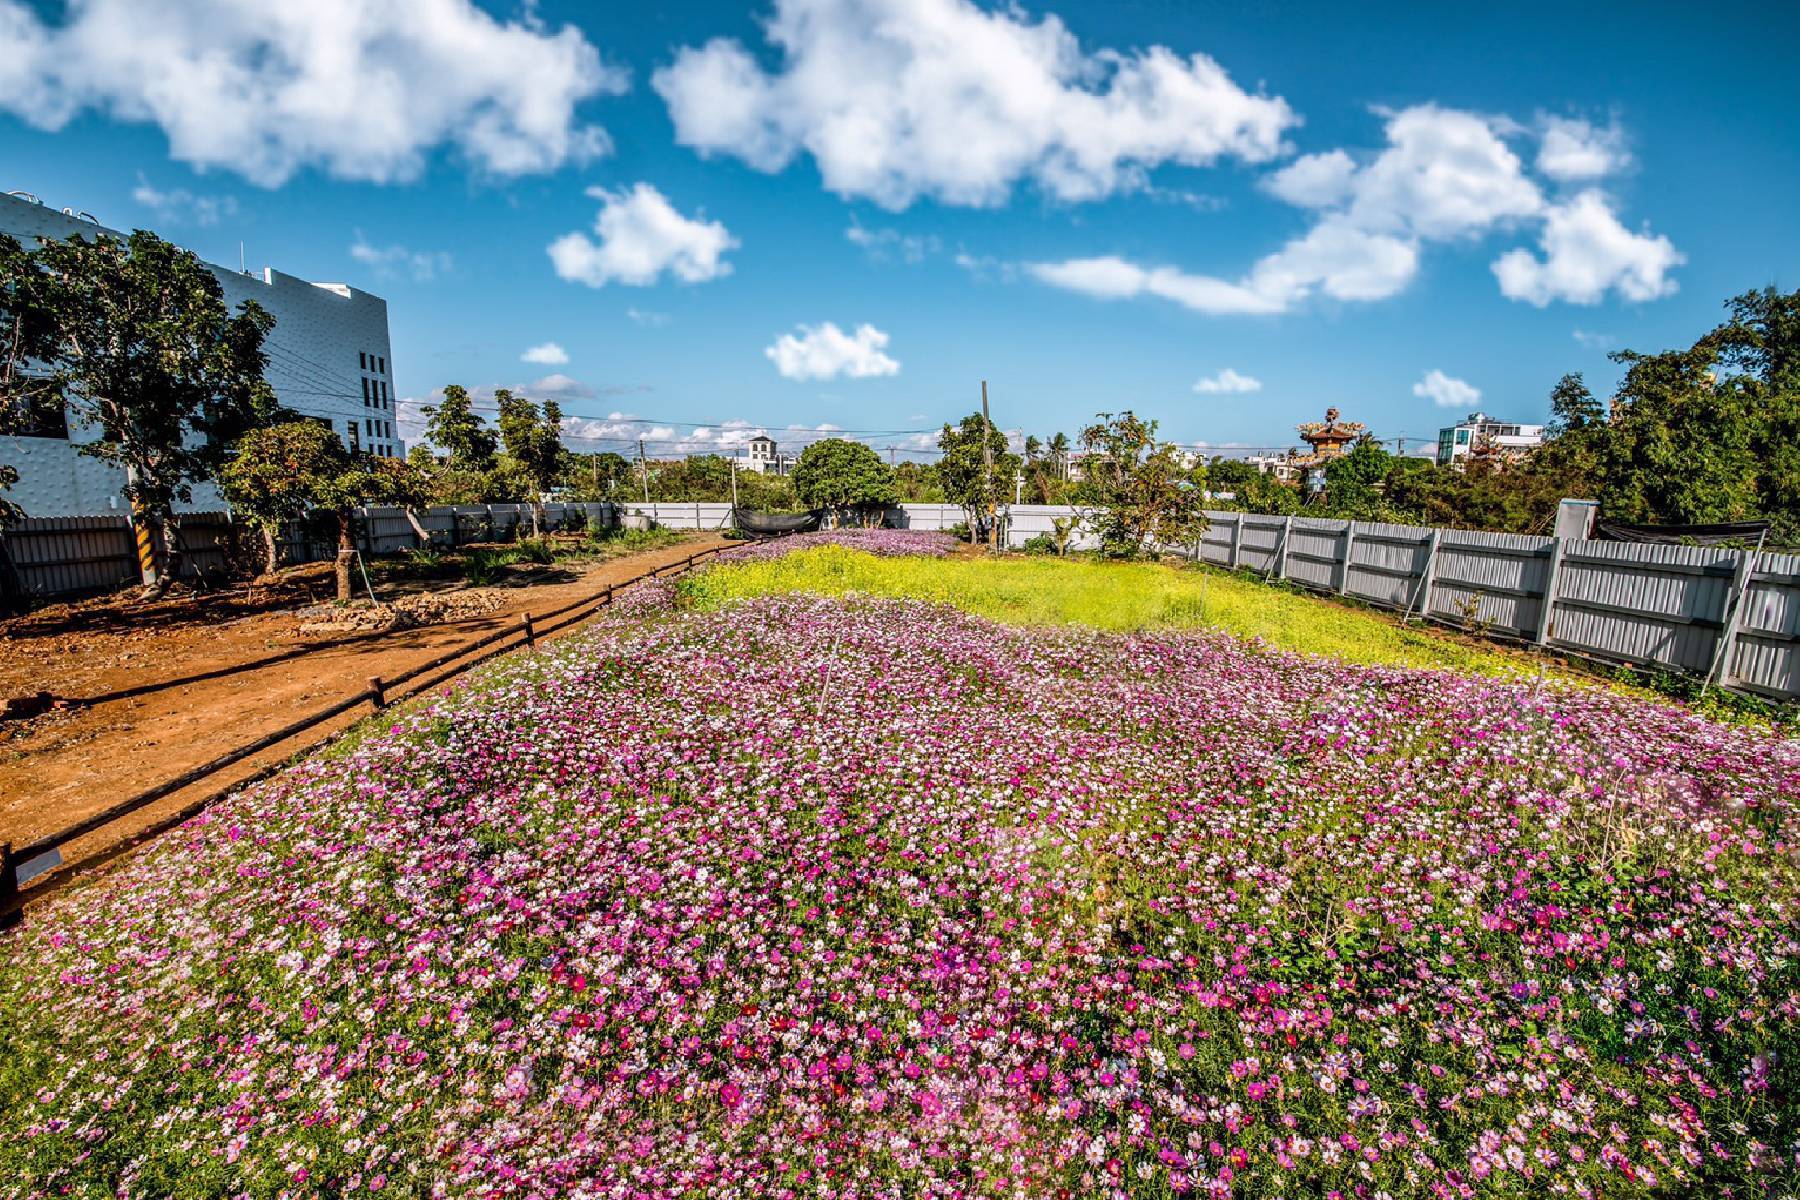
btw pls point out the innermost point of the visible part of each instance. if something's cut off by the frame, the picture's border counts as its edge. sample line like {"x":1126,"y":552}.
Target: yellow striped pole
{"x":146,"y":545}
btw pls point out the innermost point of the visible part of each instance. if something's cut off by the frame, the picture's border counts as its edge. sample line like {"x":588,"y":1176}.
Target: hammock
{"x":762,"y":524}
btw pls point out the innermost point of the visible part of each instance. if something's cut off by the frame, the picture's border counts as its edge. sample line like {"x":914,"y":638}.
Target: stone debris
{"x":427,"y":608}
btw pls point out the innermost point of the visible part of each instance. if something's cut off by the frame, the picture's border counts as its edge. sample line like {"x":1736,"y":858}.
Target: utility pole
{"x":734,"y":502}
{"x":644,"y":470}
{"x":987,"y":464}
{"x":1018,"y":487}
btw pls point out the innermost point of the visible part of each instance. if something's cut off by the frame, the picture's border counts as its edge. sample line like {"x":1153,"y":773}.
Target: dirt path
{"x":69,"y":763}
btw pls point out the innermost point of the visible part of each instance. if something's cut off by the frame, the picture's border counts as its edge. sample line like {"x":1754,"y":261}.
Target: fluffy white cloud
{"x":642,"y":237}
{"x":391,"y":262}
{"x":549,"y":354}
{"x":1447,"y":391}
{"x":1571,"y":150}
{"x":363,"y":90}
{"x":1228,"y":381}
{"x":1593,"y":340}
{"x":1112,"y":278}
{"x":647,"y":317}
{"x":826,"y":352}
{"x":895,"y":99}
{"x":1444,"y":176}
{"x":180,"y":206}
{"x":1587,"y":252}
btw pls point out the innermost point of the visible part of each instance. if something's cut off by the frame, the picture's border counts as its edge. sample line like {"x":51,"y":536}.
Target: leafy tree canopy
{"x":1139,"y":489}
{"x":454,"y":427}
{"x":837,"y":474}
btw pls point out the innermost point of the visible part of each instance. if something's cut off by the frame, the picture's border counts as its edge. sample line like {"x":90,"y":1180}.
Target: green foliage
{"x":136,"y":335}
{"x":597,"y":477}
{"x":283,"y":471}
{"x":454,"y":427}
{"x":1040,"y":544}
{"x":963,"y":471}
{"x":534,"y":550}
{"x":1137,"y":493}
{"x":837,"y":474}
{"x":918,"y":483}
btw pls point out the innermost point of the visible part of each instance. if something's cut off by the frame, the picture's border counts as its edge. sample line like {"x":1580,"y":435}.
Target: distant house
{"x":1479,"y":435}
{"x":1284,"y":467}
{"x":763,"y":457}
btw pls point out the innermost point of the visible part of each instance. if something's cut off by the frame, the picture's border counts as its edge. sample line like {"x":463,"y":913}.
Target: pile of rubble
{"x":426,"y":608}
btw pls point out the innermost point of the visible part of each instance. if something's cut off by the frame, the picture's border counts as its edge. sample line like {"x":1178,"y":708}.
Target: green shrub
{"x":534,"y":550}
{"x":482,"y":567}
{"x":1041,"y":543}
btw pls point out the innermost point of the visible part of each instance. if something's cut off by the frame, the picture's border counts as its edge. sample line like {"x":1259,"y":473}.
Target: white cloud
{"x":1228,"y":381}
{"x":1444,"y":176}
{"x":1112,"y":278}
{"x":883,"y":244}
{"x":642,"y":237}
{"x":1592,"y":340}
{"x":549,"y":354}
{"x":1447,"y":391}
{"x":180,"y":206}
{"x":1587,"y":252}
{"x":360,"y":90}
{"x":1572,"y":150}
{"x":558,"y":386}
{"x":897,"y":99}
{"x":826,"y":352}
{"x":645,"y":317}
{"x":390,"y":262}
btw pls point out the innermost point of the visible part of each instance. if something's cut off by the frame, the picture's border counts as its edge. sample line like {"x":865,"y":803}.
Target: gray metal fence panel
{"x":1260,"y":546}
{"x":1316,"y":552}
{"x":1647,"y":603}
{"x":1489,"y":580}
{"x":1386,"y":563}
{"x":54,"y":556}
{"x":1766,"y":655}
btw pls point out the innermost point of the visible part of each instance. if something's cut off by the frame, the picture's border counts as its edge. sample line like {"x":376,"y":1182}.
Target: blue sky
{"x":1093,"y":206}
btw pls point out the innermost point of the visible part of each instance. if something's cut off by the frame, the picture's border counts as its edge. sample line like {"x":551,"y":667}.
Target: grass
{"x":1113,"y":596}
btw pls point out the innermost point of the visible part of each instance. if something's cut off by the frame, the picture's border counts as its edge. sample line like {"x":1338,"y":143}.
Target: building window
{"x":365,"y":391}
{"x":44,"y":416}
{"x":381,"y":366}
{"x":1462,"y":437}
{"x":362,"y":360}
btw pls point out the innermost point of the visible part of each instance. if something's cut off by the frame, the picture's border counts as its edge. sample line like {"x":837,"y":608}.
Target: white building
{"x":1285,"y":467}
{"x":762,"y":457}
{"x":1481,"y":434}
{"x":329,"y":358}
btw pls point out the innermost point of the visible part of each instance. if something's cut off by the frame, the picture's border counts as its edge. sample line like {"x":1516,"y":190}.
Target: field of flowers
{"x":882,"y":543}
{"x":857,"y":897}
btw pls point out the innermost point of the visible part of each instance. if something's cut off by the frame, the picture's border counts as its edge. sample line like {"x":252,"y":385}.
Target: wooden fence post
{"x":530,"y":633}
{"x":377,"y":693}
{"x":1546,"y":625}
{"x":1349,"y":546}
{"x":9,"y":876}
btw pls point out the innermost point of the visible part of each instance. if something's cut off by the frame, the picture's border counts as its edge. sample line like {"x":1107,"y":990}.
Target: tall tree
{"x":963,"y":469}
{"x":1139,"y":496}
{"x":147,"y":353}
{"x":838,"y":475}
{"x":454,"y":427}
{"x":284,"y":471}
{"x":532,"y":453}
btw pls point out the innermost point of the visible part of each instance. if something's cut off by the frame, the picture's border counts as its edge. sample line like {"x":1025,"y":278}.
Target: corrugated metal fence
{"x":1694,"y":609}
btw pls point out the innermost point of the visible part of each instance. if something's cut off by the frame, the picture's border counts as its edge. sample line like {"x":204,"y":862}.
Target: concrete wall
{"x":320,"y":330}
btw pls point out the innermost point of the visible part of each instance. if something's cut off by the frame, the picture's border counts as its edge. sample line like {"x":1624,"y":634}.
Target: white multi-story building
{"x":1481,"y":434}
{"x":762,"y":456}
{"x":329,"y":358}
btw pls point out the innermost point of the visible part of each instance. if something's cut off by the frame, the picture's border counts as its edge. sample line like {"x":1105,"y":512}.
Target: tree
{"x":27,"y":340}
{"x":1354,"y":480}
{"x":146,"y":351}
{"x":532,"y":453}
{"x":1138,"y":488}
{"x":458,"y":430}
{"x":1252,"y":491}
{"x":918,"y":483}
{"x":836,"y":474}
{"x":963,"y":470}
{"x":596,"y":476}
{"x":284,"y":471}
